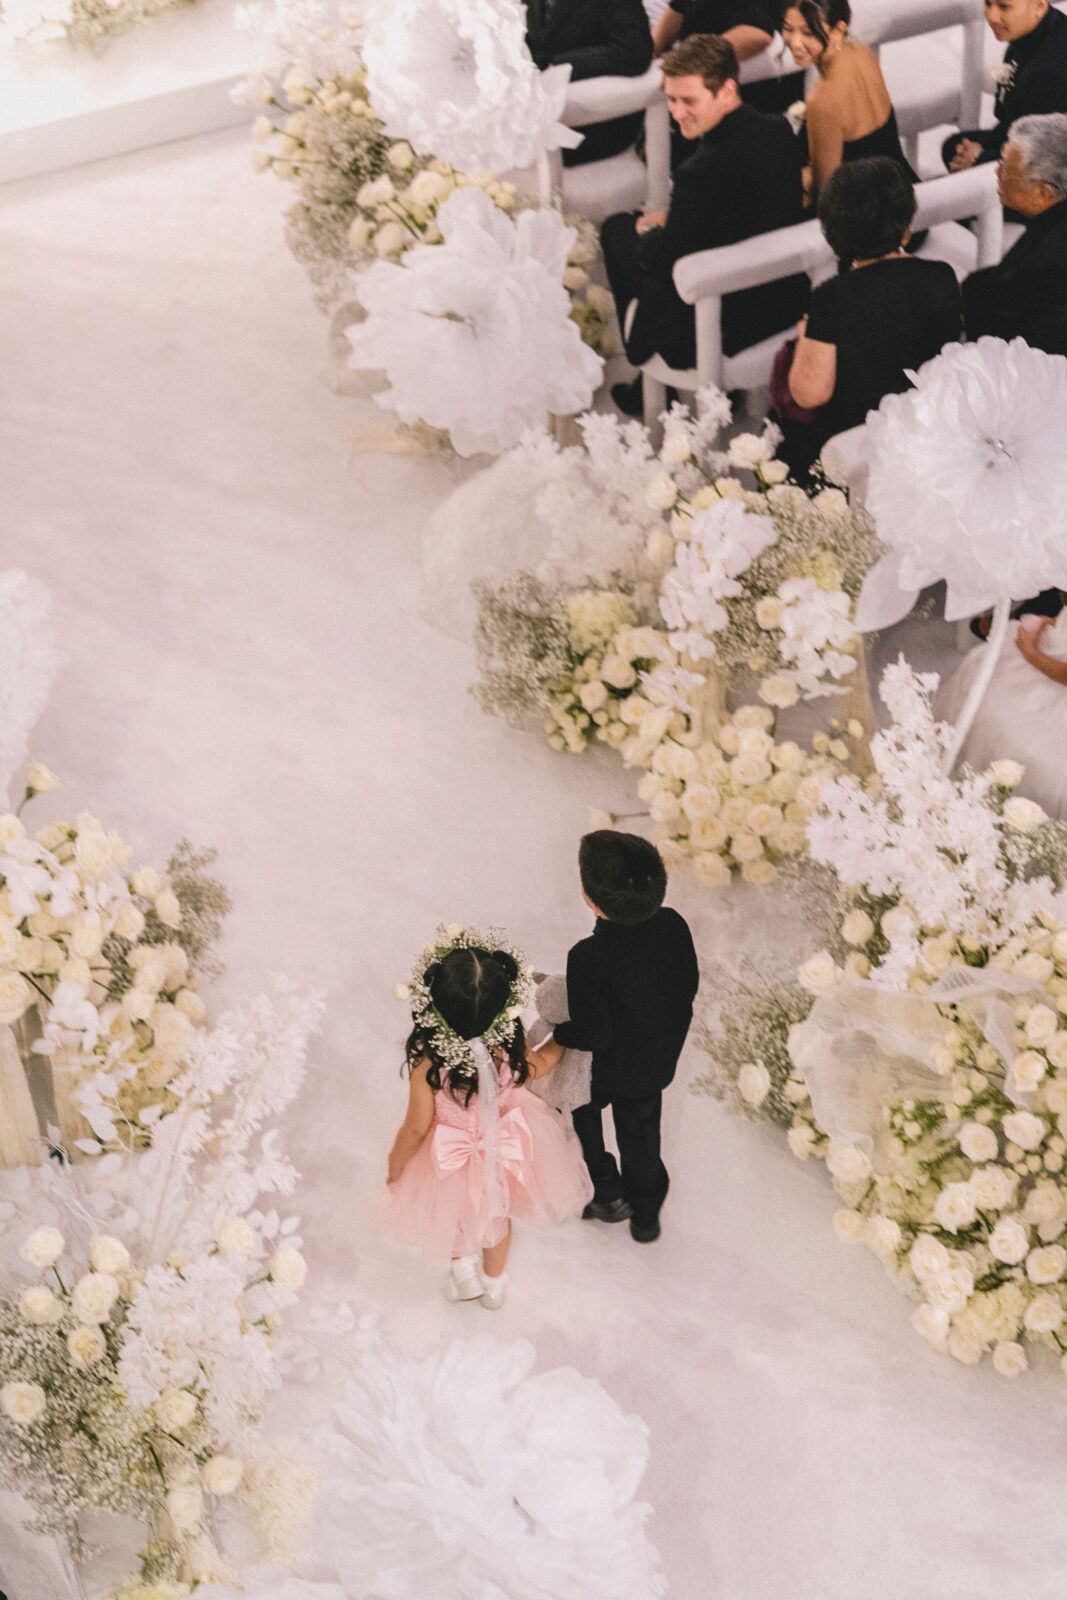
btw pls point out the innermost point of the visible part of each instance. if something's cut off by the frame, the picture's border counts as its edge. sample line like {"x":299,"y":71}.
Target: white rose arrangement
{"x":79,"y":22}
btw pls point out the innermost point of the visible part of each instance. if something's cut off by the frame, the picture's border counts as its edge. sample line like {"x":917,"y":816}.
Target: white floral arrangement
{"x":97,"y":971}
{"x":453,"y":1050}
{"x":140,"y":1335}
{"x":79,"y":22}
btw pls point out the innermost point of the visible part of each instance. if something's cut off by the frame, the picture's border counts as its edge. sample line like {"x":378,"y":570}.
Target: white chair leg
{"x":654,"y":397}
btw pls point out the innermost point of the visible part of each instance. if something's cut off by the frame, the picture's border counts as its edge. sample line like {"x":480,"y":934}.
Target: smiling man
{"x":1032,"y":79}
{"x":744,"y":179}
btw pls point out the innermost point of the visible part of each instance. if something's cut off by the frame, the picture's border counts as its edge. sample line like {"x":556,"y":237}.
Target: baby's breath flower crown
{"x":454,"y":1051}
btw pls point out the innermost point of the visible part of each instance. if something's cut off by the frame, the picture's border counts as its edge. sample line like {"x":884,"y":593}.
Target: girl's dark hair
{"x":820,"y":16}
{"x":866,"y":208}
{"x":470,"y":988}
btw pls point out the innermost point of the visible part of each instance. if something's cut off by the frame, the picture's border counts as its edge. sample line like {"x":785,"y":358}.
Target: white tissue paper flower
{"x":456,"y":79}
{"x":475,"y":334}
{"x":968,"y":481}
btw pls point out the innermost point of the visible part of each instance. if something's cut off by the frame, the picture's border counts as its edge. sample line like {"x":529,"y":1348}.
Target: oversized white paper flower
{"x":475,"y":334}
{"x":455,"y":78}
{"x":968,"y":481}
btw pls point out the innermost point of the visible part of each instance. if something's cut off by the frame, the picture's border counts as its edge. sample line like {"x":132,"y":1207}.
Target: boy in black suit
{"x":630,"y":990}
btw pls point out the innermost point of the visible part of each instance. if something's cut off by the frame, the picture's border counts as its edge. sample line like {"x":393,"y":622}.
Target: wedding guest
{"x":879,"y":319}
{"x":848,"y":115}
{"x":750,"y":26}
{"x":630,"y":989}
{"x":596,"y":39}
{"x":1031,"y":81}
{"x":744,"y":179}
{"x":442,"y":1194}
{"x":1025,"y":295}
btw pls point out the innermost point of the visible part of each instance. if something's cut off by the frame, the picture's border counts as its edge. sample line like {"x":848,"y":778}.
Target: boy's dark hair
{"x":622,"y":874}
{"x":470,"y":988}
{"x":866,"y":208}
{"x":703,"y":55}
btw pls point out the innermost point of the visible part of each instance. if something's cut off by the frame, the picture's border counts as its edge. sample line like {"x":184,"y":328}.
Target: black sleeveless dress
{"x":883,"y":141}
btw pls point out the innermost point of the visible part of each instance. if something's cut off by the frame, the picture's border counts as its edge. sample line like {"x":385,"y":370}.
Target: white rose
{"x":129,"y":922}
{"x":429,"y":188}
{"x":659,"y":547}
{"x":754,"y":1082}
{"x":775,"y":471}
{"x":222,"y":1474}
{"x":832,"y":503}
{"x":376,"y":193}
{"x":1041,"y":1025}
{"x":768,"y":612}
{"x":708,"y":833}
{"x":1009,"y":1358}
{"x":700,"y":801}
{"x":41,"y":779}
{"x":1005,"y":774}
{"x":779,"y":690}
{"x":1032,"y":965}
{"x":175,"y":1408}
{"x":1046,"y":1202}
{"x":801,"y":1140}
{"x":40,"y":1306}
{"x":710,"y":870}
{"x":93,"y":1296}
{"x":994,"y":1188}
{"x":955,"y":1207}
{"x":1009,"y":1241}
{"x":759,"y":872}
{"x":1056,"y":1050}
{"x":189,"y":1003}
{"x":664,"y":807}
{"x":745,"y":846}
{"x":170,"y":1029}
{"x":747,"y":449}
{"x":24,"y":1403}
{"x":168,"y":908}
{"x":749,"y":769}
{"x":147,"y":882}
{"x":138,"y":1004}
{"x":964,"y":1347}
{"x":402,"y":991}
{"x":1046,"y":1264}
{"x":951,"y":1290}
{"x":288,"y":1269}
{"x":930,"y":1322}
{"x":390,"y":239}
{"x":818,"y":973}
{"x":107,"y":1254}
{"x":847,"y":1162}
{"x":788,"y":756}
{"x":661,"y":491}
{"x":86,"y":1346}
{"x":754,"y":717}
{"x":849,"y":1226}
{"x":1024,"y":815}
{"x":1028,"y":1069}
{"x":360,"y":231}
{"x":1024,"y":1129}
{"x":234,"y":1233}
{"x":593,"y":695}
{"x":93,"y":850}
{"x":928,"y":1258}
{"x":882,"y":1237}
{"x":15,"y":996}
{"x":43,"y":1248}
{"x":185,"y":1506}
{"x":978,"y":1142}
{"x":400,"y":156}
{"x":617,"y":672}
{"x":898,"y":923}
{"x":1044,"y":1314}
{"x":676,"y":447}
{"x":857,"y":928}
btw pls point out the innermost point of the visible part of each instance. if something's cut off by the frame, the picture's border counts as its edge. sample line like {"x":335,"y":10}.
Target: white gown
{"x":1023,"y":717}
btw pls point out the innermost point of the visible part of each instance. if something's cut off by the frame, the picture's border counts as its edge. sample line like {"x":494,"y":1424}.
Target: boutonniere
{"x":1004,"y":76}
{"x":796,"y":116}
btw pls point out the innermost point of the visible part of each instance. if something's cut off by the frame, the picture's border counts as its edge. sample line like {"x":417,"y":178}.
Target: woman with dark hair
{"x":848,"y":115}
{"x":476,"y":1148}
{"x":884,"y":314}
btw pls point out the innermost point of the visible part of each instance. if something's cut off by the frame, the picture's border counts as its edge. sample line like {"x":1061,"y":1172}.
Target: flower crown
{"x":454,"y":1051}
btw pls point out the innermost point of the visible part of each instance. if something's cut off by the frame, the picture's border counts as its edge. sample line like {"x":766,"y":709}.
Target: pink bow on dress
{"x":453,"y":1148}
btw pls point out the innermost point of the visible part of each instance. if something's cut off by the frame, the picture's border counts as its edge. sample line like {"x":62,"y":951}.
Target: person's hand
{"x":1027,"y":640}
{"x":651,"y":219}
{"x":967,"y":153}
{"x":802,"y":327}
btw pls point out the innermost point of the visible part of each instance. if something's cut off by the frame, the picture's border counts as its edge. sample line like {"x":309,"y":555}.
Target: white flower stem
{"x":998,"y":632}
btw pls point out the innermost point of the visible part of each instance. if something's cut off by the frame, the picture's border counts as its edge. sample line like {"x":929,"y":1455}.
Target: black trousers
{"x":643,"y":1180}
{"x":622,"y":259}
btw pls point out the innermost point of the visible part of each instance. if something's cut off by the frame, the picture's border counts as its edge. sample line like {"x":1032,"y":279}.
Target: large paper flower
{"x":455,"y":78}
{"x":475,"y":334}
{"x":968,"y":481}
{"x":464,"y":1474}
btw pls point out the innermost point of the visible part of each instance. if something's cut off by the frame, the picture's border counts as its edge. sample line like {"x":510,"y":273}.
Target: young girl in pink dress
{"x":476,"y":1148}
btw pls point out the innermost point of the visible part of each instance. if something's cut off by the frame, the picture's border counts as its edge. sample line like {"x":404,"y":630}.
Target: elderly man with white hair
{"x":1025,"y":296}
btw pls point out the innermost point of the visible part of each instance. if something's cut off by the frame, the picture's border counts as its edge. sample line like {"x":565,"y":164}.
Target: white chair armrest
{"x":878,"y":22}
{"x":774,"y":62}
{"x":599,"y":99}
{"x":957,"y":195}
{"x":761,"y":259}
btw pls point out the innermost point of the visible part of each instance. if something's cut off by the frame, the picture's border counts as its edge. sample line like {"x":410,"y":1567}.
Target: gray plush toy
{"x":568,"y":1085}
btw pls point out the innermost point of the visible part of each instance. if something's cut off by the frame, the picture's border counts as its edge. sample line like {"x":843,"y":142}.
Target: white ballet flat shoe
{"x":464,"y":1281}
{"x":495,"y":1291}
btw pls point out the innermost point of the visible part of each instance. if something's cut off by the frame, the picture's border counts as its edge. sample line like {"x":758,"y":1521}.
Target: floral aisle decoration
{"x":138,"y":1338}
{"x":80,"y":22}
{"x":920,"y":1052}
{"x":98,"y":973}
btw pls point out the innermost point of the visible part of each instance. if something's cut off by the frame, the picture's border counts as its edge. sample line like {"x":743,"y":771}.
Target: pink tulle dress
{"x":441,"y":1201}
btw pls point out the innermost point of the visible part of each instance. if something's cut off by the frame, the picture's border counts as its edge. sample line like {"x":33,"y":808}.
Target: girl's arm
{"x":1027,"y":643}
{"x":747,"y":41}
{"x":542,"y":1060}
{"x":416,"y":1124}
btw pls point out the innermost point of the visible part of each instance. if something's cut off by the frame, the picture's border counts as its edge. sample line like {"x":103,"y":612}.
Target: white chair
{"x":933,"y":72}
{"x":623,"y":182}
{"x":704,"y":278}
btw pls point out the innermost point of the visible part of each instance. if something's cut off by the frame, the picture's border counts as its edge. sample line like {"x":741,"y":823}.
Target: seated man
{"x":1032,"y":79}
{"x":744,"y":179}
{"x":749,"y":25}
{"x":1025,"y":295}
{"x":599,"y":39}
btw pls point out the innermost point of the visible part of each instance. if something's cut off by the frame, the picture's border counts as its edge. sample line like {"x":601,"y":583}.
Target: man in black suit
{"x":1025,"y":295}
{"x":750,"y":26}
{"x":597,"y":39}
{"x":1032,"y":78}
{"x":630,"y":992}
{"x":744,"y":179}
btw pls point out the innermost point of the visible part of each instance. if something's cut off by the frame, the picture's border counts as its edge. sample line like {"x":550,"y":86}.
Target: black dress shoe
{"x":629,"y":398}
{"x":607,"y":1211}
{"x":645,"y":1233}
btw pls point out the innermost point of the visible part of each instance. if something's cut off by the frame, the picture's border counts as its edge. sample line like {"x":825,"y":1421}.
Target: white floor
{"x":237,"y":591}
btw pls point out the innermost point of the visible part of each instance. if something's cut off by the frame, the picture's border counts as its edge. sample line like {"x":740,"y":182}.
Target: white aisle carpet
{"x":237,"y":594}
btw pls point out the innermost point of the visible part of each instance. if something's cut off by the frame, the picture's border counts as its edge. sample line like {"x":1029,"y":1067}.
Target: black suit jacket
{"x":1038,"y":84}
{"x":599,"y":39}
{"x":630,"y":991}
{"x":744,"y":179}
{"x":1025,"y":295}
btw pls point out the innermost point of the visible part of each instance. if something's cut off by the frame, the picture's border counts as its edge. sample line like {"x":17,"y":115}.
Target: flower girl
{"x":476,"y":1148}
